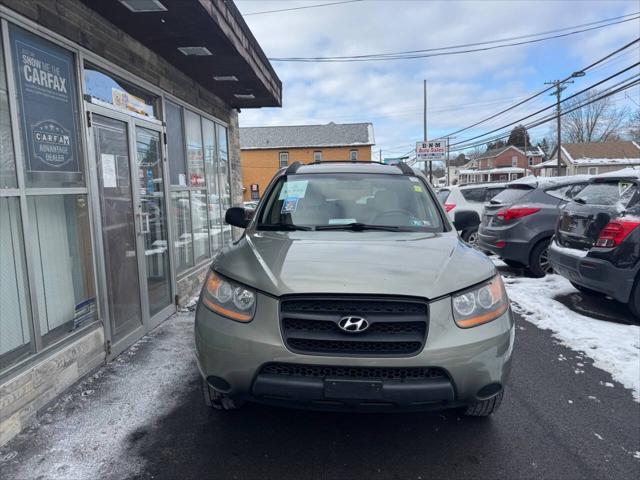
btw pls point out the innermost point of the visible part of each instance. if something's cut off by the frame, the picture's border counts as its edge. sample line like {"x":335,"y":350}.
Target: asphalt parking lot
{"x":142,"y":416}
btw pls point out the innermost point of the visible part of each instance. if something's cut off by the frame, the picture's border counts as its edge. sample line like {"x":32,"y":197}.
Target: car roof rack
{"x":293,"y":168}
{"x":405,"y":169}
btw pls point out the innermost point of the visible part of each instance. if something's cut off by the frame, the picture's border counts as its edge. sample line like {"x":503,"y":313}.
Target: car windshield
{"x":616,"y":192}
{"x":343,"y":200}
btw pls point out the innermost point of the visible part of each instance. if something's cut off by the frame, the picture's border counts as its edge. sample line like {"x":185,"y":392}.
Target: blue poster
{"x":45,"y":81}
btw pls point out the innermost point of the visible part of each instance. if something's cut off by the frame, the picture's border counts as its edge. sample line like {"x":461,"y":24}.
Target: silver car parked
{"x":350,"y":289}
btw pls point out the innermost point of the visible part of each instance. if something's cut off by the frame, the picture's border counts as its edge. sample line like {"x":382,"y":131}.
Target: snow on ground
{"x":614,"y":347}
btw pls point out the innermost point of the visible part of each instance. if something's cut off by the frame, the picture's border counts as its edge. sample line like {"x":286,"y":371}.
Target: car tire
{"x":484,"y":408}
{"x":470,"y":236}
{"x":539,"y":264}
{"x":634,"y":301}
{"x":513,"y":263}
{"x":217,"y":400}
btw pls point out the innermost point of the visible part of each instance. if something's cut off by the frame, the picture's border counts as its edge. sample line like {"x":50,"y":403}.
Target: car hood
{"x":343,"y":262}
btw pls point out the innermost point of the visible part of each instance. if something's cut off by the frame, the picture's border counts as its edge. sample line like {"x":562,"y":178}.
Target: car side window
{"x":492,"y":192}
{"x":474,"y":194}
{"x":575,"y":189}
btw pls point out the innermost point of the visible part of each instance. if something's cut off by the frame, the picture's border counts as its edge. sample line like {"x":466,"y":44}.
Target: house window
{"x":592,"y":170}
{"x":531,"y":161}
{"x":514,"y":161}
{"x":284,"y":159}
{"x":353,"y":155}
{"x":317,"y":156}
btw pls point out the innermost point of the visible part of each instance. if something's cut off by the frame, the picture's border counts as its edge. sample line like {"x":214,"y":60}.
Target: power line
{"x":621,"y":87}
{"x":300,"y":8}
{"x":411,"y":55}
{"x":551,"y":106}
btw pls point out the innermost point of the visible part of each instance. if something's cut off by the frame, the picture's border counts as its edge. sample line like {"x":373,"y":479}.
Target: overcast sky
{"x":461,"y":88}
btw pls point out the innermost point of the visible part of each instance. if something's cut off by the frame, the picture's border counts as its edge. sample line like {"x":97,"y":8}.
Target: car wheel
{"x":217,"y":400}
{"x":634,"y":300}
{"x":539,"y":264}
{"x":470,"y":236}
{"x":513,"y":263}
{"x":484,"y":408}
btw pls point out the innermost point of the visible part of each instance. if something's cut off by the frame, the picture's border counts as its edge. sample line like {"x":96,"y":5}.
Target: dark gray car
{"x":517,"y":224}
{"x":597,"y":241}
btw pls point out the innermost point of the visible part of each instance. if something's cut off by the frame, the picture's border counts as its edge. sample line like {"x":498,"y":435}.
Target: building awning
{"x":208,"y":40}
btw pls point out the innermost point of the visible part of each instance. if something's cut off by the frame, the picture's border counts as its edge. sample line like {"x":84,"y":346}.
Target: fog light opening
{"x":489,"y":390}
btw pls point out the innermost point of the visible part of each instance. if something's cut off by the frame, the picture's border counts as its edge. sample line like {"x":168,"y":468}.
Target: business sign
{"x":431,"y":151}
{"x":46,"y":85}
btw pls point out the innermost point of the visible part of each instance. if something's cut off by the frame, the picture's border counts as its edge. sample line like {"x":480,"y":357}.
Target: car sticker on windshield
{"x":296,"y":188}
{"x":290,"y":205}
{"x":417,"y":188}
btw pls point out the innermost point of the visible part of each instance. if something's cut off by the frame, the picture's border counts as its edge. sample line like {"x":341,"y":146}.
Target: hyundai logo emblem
{"x":352,"y":324}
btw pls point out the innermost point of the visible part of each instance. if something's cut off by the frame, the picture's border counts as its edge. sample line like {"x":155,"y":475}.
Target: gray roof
{"x":307,"y":136}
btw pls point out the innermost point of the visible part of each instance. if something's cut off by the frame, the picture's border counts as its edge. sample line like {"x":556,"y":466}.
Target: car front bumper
{"x":593,"y":273}
{"x":231,"y":356}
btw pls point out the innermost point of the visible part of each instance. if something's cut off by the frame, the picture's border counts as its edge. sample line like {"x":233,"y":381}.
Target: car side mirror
{"x":237,"y":216}
{"x":466,"y":221}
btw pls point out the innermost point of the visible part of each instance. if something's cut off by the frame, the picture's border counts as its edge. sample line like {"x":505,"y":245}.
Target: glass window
{"x":400,"y":202}
{"x":511,"y":195}
{"x":559,"y":192}
{"x":353,"y":155}
{"x":200,"y":224}
{"x":213,"y":195}
{"x":183,"y":242}
{"x":106,"y":88}
{"x":224,"y":181}
{"x":610,"y":192}
{"x":443,"y":195}
{"x":15,"y":340}
{"x":284,"y":159}
{"x":317,"y":156}
{"x":514,"y":161}
{"x":7,"y":158}
{"x":59,"y":226}
{"x":175,"y":145}
{"x":476,"y":195}
{"x":592,"y":170}
{"x":195,"y":159}
{"x":45,"y":78}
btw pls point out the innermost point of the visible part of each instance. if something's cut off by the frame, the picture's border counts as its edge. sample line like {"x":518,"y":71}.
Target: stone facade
{"x":25,"y":394}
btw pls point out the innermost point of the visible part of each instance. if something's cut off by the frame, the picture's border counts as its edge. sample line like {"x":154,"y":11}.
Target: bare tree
{"x":600,"y":121}
{"x":633,"y":127}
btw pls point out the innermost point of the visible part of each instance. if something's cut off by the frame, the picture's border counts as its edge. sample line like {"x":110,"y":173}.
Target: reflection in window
{"x":7,"y":159}
{"x":200,"y":223}
{"x":59,"y":225}
{"x":106,"y":88}
{"x":224,"y":181}
{"x":213,"y":198}
{"x":14,"y":312}
{"x":175,"y":145}
{"x":183,"y":243}
{"x":195,"y":160}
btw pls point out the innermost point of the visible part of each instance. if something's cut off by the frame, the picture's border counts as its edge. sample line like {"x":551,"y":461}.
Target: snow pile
{"x":614,"y":348}
{"x":625,"y":172}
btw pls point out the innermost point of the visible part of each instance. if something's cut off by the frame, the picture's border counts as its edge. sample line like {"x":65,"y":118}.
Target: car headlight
{"x":481,"y":304}
{"x":228,"y":298}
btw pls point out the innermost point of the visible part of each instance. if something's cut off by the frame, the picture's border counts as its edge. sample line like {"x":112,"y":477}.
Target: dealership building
{"x":119,"y":154}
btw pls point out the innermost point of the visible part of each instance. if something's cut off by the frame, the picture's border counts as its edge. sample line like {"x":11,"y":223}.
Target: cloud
{"x":462,"y":88}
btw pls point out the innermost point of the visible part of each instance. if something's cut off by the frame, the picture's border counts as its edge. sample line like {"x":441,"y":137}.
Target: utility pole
{"x":424,"y":125}
{"x":380,"y":155}
{"x":559,"y":85}
{"x":446,"y":165}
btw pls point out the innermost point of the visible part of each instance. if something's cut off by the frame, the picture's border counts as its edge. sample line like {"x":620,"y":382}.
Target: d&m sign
{"x":435,"y":150}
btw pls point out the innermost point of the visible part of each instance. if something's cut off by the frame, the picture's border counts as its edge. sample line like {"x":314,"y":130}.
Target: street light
{"x":577,"y":74}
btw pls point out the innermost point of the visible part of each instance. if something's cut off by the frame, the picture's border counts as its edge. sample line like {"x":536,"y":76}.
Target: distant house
{"x":264,"y":150}
{"x":501,"y":165}
{"x":591,"y":158}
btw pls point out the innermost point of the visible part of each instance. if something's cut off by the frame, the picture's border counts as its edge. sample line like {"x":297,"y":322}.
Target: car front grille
{"x":397,"y":327}
{"x":369,"y":373}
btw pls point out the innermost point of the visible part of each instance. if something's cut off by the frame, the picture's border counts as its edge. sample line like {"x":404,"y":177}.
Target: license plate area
{"x":337,"y":388}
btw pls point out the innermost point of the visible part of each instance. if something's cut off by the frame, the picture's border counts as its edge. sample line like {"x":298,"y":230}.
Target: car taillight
{"x":449,"y":206}
{"x":615,"y":232}
{"x":509,"y":214}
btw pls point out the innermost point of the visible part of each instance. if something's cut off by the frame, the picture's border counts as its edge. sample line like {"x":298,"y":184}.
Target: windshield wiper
{"x":579,"y":200}
{"x":283,"y":227}
{"x":358,"y":227}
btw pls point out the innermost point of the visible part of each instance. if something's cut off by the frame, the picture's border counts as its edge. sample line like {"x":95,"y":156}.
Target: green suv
{"x":350,"y":289}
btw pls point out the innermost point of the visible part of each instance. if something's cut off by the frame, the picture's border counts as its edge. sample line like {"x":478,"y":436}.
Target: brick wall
{"x":259,"y":166}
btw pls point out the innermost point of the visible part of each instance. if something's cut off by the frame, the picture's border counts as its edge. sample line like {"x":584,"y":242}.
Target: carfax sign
{"x":45,"y":81}
{"x":431,"y":150}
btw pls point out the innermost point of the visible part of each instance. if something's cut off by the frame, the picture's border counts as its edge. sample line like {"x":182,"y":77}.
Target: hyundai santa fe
{"x":350,"y":289}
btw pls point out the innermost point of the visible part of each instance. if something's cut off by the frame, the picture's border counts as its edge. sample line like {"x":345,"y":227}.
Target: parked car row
{"x":585,"y":228}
